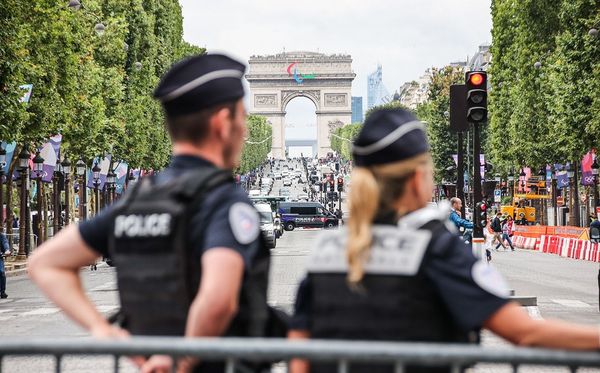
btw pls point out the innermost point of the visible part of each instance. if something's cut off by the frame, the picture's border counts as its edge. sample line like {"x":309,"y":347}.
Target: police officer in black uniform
{"x":190,"y":259}
{"x":398,"y":272}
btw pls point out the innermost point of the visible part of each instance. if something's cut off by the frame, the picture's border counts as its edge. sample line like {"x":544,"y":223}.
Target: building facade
{"x":357,"y":109}
{"x":377,"y":93}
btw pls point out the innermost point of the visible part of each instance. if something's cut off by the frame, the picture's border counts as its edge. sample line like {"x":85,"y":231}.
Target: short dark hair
{"x":194,"y":127}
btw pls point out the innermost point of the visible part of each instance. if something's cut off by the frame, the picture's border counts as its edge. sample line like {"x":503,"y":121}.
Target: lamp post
{"x":96,"y":176}
{"x":555,"y":195}
{"x":38,"y":168}
{"x":2,"y":165}
{"x":81,"y":168}
{"x":56,"y":198}
{"x":572,"y":196}
{"x":66,"y":166}
{"x":522,"y":177}
{"x":23,"y":225}
{"x":110,"y":186}
{"x":511,"y":184}
{"x":542,"y":175}
{"x":595,"y":168}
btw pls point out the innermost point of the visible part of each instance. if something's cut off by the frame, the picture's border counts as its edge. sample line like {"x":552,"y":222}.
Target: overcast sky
{"x":405,"y":36}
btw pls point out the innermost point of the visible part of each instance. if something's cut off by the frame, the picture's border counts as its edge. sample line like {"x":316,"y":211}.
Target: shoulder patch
{"x":244,"y":222}
{"x":394,"y":251}
{"x":489,"y":279}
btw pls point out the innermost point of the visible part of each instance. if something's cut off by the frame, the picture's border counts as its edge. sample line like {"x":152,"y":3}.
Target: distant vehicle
{"x":287,"y":182}
{"x":277,"y":175}
{"x":254,"y":193}
{"x":267,"y":226}
{"x":284,"y":192}
{"x":267,"y":181}
{"x":306,"y":214}
{"x":303,"y":197}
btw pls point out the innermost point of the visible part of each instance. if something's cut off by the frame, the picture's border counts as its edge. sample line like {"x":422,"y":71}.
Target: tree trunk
{"x":9,"y":191}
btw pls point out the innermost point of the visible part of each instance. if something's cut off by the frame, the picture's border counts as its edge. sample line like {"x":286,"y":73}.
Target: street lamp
{"x":56,"y":197}
{"x":522,"y":177}
{"x":2,"y":165}
{"x":66,"y":166}
{"x":74,"y":4}
{"x":96,"y":176}
{"x":110,"y":185}
{"x":24,"y":156}
{"x":537,"y":65}
{"x":137,"y":66}
{"x":100,"y":28}
{"x":38,"y":168}
{"x":81,"y":172}
{"x":595,"y":168}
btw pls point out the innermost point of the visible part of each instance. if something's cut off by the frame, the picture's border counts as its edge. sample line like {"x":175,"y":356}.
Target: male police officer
{"x":186,"y":244}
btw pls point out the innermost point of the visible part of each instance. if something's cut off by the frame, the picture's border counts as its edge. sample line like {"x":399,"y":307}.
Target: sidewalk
{"x":15,"y":267}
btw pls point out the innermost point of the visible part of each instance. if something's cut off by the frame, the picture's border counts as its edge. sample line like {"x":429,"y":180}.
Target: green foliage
{"x":258,"y":144}
{"x":551,"y":114}
{"x":389,"y":105}
{"x":433,"y":112}
{"x":90,"y":88}
{"x":342,"y":138}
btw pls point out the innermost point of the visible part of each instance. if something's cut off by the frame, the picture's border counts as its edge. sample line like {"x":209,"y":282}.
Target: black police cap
{"x":200,"y":82}
{"x":388,"y":136}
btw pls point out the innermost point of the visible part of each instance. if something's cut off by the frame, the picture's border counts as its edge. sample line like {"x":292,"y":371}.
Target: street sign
{"x":458,"y":108}
{"x":497,"y":196}
{"x":560,"y":201}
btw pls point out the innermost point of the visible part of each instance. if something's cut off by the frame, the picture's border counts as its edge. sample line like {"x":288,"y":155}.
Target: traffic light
{"x":476,"y":82}
{"x":480,"y":215}
{"x":331,"y":185}
{"x":340,"y":184}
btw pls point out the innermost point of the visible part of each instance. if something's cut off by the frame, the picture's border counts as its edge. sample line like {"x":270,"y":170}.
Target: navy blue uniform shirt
{"x":226,"y":218}
{"x":471,"y":289}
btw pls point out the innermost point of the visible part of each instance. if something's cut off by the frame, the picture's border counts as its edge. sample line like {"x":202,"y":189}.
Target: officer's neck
{"x":209,"y":152}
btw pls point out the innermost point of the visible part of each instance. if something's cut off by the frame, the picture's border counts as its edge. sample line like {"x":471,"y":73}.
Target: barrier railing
{"x":342,"y":353}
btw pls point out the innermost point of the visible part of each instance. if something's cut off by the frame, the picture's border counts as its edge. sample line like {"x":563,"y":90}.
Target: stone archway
{"x":326,"y":80}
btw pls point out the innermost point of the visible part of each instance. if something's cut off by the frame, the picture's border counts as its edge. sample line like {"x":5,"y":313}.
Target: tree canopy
{"x":94,"y":90}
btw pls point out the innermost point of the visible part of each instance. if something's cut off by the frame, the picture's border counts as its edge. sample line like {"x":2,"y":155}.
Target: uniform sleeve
{"x":471,"y":289}
{"x":227,"y":219}
{"x":301,"y":318}
{"x":95,"y":231}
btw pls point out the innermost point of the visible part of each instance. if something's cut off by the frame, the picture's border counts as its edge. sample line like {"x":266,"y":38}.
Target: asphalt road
{"x":566,"y":289}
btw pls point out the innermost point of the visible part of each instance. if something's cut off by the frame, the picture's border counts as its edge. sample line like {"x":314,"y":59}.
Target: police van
{"x":306,"y":215}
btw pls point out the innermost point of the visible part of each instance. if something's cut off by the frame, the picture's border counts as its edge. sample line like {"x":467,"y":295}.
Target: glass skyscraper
{"x":357,"y":109}
{"x":377,"y":92}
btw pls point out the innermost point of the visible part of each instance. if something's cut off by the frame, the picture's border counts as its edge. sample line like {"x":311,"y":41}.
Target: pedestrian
{"x":186,"y":243}
{"x":397,"y":272}
{"x":497,"y":229}
{"x":5,"y":251}
{"x":507,"y":231}
{"x":455,"y":215}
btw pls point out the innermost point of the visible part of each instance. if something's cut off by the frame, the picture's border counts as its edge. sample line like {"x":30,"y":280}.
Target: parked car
{"x":267,"y":226}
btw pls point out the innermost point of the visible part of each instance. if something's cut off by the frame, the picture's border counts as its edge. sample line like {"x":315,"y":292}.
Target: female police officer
{"x":397,"y":272}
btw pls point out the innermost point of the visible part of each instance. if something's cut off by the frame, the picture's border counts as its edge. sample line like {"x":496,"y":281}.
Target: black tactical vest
{"x":158,"y":274}
{"x":394,"y":302}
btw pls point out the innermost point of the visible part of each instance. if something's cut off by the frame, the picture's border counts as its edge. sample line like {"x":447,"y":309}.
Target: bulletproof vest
{"x":395,"y":301}
{"x":158,"y":275}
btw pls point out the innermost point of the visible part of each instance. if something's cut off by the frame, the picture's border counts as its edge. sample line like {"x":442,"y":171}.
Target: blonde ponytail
{"x":363,"y":203}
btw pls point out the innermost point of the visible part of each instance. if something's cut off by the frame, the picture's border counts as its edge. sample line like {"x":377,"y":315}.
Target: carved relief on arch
{"x":333,"y":125}
{"x":313,"y":95}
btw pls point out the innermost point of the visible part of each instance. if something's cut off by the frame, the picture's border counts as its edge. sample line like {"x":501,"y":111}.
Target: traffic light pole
{"x":477,"y":230}
{"x":460,"y":170}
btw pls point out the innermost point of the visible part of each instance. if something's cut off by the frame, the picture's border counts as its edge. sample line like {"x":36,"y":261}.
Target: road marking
{"x":571,"y":303}
{"x":41,"y":311}
{"x":106,"y":287}
{"x":106,"y":308}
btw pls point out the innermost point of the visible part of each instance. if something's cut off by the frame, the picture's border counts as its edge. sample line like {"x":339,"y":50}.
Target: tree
{"x":434,"y":112}
{"x":342,"y":139}
{"x":258,"y":144}
{"x":390,"y":105}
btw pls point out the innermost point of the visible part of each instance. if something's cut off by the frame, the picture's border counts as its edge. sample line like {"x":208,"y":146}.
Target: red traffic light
{"x":483,"y":207}
{"x":476,"y":79}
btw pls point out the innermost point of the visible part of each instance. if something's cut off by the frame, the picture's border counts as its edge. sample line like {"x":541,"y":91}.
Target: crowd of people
{"x":397,"y":272}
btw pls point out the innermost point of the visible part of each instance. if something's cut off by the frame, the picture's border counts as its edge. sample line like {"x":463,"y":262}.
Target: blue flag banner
{"x":104,"y":166}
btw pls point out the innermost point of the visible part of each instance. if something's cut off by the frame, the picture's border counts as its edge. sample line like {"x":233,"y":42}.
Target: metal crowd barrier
{"x":342,"y":353}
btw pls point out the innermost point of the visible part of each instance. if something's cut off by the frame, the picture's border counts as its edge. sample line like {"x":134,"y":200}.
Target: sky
{"x":405,"y":36}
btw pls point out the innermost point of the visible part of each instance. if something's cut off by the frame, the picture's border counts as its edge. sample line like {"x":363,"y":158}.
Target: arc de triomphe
{"x":326,"y":80}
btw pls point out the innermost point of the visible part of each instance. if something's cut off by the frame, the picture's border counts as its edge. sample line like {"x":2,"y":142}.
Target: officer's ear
{"x":221,"y":123}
